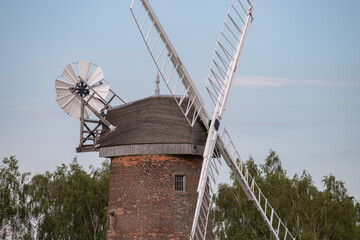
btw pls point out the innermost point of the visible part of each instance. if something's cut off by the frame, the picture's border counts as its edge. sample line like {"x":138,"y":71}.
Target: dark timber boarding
{"x":156,"y":119}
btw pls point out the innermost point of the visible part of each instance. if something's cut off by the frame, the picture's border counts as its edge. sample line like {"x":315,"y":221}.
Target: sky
{"x":296,"y":90}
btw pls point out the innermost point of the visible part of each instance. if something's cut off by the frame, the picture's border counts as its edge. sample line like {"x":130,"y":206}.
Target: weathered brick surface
{"x":143,"y":200}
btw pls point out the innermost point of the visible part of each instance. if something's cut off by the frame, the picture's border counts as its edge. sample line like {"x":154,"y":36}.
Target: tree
{"x":70,"y":203}
{"x":307,"y":212}
{"x":15,"y":212}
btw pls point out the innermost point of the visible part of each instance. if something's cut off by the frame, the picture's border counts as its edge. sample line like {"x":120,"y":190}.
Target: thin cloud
{"x":263,"y":81}
{"x":24,"y":108}
{"x":10,"y":103}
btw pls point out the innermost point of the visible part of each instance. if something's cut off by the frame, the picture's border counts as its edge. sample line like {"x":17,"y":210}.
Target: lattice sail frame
{"x":168,"y":62}
{"x":228,"y":48}
{"x":221,"y":74}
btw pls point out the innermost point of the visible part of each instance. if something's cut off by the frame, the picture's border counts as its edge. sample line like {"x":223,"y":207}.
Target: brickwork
{"x":143,"y":203}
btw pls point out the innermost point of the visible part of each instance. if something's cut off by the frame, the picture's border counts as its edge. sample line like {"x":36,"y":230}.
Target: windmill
{"x":221,"y":75}
{"x":83,"y":92}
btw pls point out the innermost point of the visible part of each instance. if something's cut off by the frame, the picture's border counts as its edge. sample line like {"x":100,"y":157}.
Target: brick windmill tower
{"x":165,"y":150}
{"x":156,"y":159}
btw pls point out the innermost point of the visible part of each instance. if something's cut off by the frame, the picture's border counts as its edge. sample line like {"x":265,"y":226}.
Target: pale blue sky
{"x":297,"y":88}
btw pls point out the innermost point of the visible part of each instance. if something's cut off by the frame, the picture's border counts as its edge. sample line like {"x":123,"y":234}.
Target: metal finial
{"x":157,"y":89}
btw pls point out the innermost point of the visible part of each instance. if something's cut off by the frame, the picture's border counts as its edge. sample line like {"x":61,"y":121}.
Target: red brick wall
{"x":143,"y":201}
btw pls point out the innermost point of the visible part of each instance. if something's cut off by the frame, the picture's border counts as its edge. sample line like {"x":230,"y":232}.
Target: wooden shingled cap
{"x":155,"y":120}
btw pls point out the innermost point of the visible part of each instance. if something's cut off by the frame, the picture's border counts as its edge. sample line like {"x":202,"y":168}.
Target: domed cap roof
{"x":152,"y":125}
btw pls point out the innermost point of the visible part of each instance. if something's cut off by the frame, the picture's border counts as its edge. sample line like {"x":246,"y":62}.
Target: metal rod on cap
{"x":157,"y":89}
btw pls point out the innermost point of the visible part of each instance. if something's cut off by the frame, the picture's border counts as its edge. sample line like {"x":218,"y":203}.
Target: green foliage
{"x":357,"y":212}
{"x":307,"y":212}
{"x":68,"y":203}
{"x":14,"y":208}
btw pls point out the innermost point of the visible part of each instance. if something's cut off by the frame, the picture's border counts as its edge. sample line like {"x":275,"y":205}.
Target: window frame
{"x":183,"y":183}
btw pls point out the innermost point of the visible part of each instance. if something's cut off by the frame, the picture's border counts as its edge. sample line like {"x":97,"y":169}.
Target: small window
{"x":179,"y":183}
